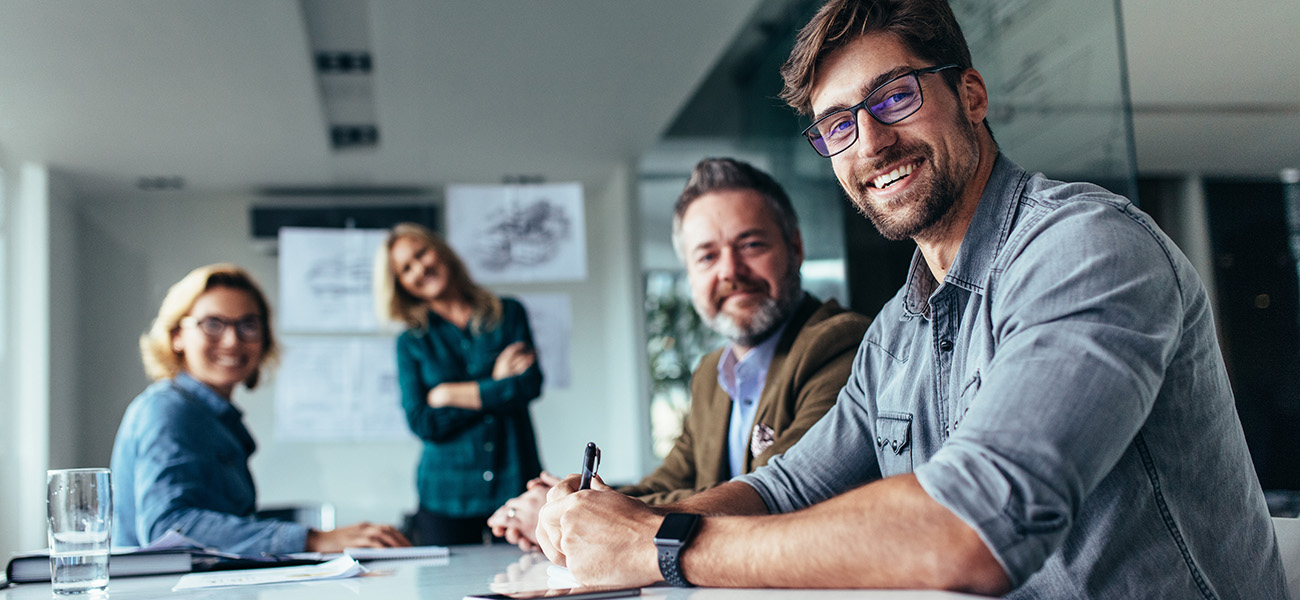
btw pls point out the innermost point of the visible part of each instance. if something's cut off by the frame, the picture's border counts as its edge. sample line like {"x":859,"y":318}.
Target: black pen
{"x":590,"y":462}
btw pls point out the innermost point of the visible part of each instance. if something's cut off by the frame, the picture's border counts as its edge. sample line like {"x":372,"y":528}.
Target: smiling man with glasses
{"x":1042,"y":410}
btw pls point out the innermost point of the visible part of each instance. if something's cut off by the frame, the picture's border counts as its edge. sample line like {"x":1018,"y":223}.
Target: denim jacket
{"x":1063,"y":393}
{"x":180,"y":461}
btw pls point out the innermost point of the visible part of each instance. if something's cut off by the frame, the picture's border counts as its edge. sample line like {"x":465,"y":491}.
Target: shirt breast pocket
{"x":894,"y":443}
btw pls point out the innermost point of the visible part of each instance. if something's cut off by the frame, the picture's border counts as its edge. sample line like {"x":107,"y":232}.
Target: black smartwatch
{"x":673,"y":535}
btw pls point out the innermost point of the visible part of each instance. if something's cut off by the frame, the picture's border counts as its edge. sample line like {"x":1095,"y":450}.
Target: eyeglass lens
{"x":247,"y":329}
{"x":890,"y":103}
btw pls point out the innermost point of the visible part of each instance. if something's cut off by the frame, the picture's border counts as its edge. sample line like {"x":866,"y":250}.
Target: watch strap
{"x":673,"y":536}
{"x":670,"y":566}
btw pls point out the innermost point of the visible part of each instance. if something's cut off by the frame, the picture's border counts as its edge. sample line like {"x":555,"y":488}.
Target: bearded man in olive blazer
{"x":788,"y":353}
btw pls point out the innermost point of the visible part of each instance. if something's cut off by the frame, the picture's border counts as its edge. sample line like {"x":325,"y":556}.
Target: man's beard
{"x":766,"y":318}
{"x":931,"y":201}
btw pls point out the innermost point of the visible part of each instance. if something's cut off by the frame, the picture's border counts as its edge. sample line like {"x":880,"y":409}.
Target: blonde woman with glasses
{"x":180,"y":460}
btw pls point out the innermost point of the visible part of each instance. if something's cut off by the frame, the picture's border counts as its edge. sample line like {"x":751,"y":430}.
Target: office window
{"x":1253,"y":236}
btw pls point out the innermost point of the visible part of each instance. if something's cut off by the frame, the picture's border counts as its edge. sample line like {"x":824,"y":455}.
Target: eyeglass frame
{"x":853,"y":110}
{"x":256,"y":336}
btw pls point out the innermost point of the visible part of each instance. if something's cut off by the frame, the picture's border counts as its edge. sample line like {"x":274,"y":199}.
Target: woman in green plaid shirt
{"x":467,"y":373}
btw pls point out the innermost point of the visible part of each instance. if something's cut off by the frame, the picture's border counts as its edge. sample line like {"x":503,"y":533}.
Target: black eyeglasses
{"x":247,"y":329}
{"x":891,"y":102}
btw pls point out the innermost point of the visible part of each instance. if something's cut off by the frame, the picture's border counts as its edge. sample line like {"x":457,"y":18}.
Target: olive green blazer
{"x":810,"y":365}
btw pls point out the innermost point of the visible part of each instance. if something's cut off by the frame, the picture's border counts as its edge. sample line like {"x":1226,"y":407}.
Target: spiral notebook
{"x":396,"y":553}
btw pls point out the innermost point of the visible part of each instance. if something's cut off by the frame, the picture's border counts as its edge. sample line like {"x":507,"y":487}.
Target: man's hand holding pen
{"x":602,"y":536}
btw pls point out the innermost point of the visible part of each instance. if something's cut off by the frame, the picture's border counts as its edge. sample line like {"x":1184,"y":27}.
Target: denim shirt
{"x":472,"y":460}
{"x":1063,"y":393}
{"x":180,"y":461}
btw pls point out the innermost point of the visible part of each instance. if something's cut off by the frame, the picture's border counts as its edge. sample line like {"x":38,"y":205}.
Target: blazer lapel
{"x":774,"y":398}
{"x":717,"y":419}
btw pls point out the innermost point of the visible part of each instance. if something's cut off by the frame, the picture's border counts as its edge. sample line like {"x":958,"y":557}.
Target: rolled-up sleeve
{"x":1080,"y":357}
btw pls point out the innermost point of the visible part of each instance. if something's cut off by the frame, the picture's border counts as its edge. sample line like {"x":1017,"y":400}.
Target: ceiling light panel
{"x":339,"y":34}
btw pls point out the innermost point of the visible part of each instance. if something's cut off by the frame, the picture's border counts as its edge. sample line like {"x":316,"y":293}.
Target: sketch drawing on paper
{"x":339,"y":276}
{"x":525,"y":235}
{"x":325,"y":279}
{"x":519,"y":233}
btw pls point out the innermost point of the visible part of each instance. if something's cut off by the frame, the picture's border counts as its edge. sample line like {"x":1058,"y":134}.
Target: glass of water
{"x":80,"y":511}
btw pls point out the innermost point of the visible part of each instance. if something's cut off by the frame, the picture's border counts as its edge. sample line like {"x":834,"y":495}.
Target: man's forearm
{"x":888,"y":534}
{"x":731,"y":498}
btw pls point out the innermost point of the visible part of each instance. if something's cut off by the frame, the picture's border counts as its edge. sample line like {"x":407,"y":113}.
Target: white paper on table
{"x":558,"y":577}
{"x":338,"y":568}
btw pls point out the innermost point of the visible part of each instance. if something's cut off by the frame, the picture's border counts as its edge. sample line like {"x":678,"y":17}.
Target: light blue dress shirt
{"x":743,"y":380}
{"x":180,"y":461}
{"x":1062,"y":392}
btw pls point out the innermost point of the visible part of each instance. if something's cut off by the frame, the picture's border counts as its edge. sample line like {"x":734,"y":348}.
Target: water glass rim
{"x":49,"y":472}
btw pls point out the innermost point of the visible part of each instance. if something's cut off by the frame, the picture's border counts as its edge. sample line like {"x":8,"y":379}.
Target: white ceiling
{"x":1215,"y":85}
{"x":222,"y":93}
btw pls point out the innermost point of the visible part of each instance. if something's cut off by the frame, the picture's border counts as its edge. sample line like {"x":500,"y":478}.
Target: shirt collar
{"x":755,"y":363}
{"x":223,"y":408}
{"x":988,"y":231}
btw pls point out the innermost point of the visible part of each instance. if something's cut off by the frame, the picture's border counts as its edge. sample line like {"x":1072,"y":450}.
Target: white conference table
{"x":469,"y":570}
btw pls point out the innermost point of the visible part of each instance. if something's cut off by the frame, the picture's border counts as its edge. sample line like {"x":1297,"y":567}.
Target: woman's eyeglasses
{"x":247,"y":329}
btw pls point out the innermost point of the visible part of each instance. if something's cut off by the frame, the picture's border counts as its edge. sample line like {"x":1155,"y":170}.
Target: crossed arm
{"x":512,"y":361}
{"x":887,"y":534}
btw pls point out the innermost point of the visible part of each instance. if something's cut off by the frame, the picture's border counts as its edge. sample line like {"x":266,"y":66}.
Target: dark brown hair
{"x":927,"y":28}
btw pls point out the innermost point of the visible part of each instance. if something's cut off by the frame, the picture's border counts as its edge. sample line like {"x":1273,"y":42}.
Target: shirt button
{"x":487,"y":475}
{"x":489,"y":420}
{"x":488,"y":447}
{"x":945,"y":345}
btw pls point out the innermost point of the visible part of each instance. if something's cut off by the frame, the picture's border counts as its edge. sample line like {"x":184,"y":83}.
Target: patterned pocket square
{"x":762,"y":439}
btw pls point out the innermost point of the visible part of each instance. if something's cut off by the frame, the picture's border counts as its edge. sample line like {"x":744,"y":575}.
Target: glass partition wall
{"x":1058,"y":98}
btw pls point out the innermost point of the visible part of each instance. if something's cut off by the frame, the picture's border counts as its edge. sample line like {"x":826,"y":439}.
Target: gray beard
{"x":771,"y":313}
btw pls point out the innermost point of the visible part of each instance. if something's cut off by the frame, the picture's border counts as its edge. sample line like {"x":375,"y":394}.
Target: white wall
{"x":24,"y":399}
{"x":129,"y":250}
{"x":9,"y":463}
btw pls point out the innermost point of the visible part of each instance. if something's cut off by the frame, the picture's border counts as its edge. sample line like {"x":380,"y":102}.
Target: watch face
{"x":677,"y":527}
